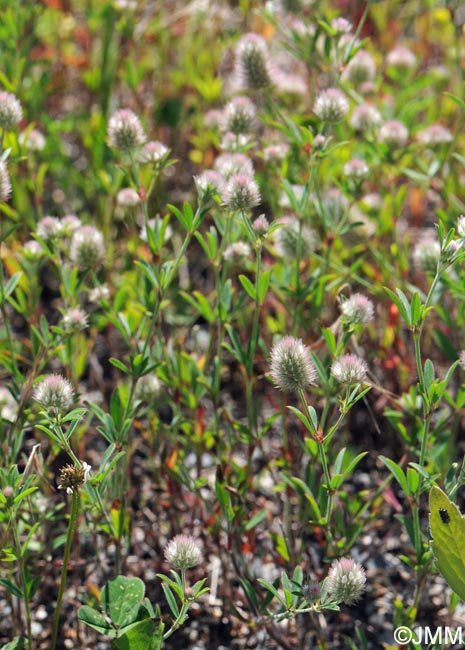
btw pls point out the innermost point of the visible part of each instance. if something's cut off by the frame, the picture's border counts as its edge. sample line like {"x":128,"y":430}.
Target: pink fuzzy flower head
{"x":11,"y":112}
{"x":54,"y":394}
{"x":125,"y":131}
{"x":346,"y":581}
{"x":331,"y":105}
{"x":183,"y":552}
{"x":291,"y":366}
{"x":241,"y":193}
{"x":253,"y":62}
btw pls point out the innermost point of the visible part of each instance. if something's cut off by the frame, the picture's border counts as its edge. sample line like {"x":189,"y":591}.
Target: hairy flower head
{"x":346,"y":581}
{"x":291,"y":366}
{"x":183,"y":552}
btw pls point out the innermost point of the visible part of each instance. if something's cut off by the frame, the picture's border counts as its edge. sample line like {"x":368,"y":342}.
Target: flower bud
{"x":239,"y":116}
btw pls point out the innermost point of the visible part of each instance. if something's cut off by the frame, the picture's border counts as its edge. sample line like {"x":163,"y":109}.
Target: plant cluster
{"x":232,"y":252}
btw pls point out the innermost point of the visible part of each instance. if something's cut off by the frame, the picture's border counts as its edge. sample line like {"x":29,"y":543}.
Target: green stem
{"x":64,"y":570}
{"x":23,"y":579}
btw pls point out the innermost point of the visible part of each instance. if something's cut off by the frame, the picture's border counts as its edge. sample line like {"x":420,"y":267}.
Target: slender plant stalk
{"x":64,"y":570}
{"x":23,"y":580}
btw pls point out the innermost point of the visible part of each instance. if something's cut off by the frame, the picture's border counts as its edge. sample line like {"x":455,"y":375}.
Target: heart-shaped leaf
{"x":448,"y":531}
{"x":121,"y":598}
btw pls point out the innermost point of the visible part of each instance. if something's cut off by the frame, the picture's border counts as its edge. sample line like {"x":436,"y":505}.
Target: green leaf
{"x":248,"y":286}
{"x":398,"y":473}
{"x":448,"y":531}
{"x":121,"y":598}
{"x":171,"y":600}
{"x":96,"y":620}
{"x":146,"y":635}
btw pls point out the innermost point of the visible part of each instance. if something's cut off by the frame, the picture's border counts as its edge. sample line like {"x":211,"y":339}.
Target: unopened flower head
{"x":276,"y":152}
{"x":435,"y":135}
{"x":87,"y":247}
{"x":394,"y":134}
{"x":239,"y":116}
{"x":75,"y":320}
{"x":365,"y":118}
{"x":341,"y":26}
{"x":230,"y":164}
{"x":253,"y":62}
{"x":54,"y":394}
{"x":426,"y":254}
{"x":357,"y":310}
{"x":372,"y":201}
{"x":128,"y":197}
{"x":183,"y":552}
{"x":153,"y":152}
{"x":261,"y":226}
{"x":125,"y":131}
{"x":292,"y":235}
{"x":346,"y":581}
{"x":241,"y":193}
{"x":72,"y":477}
{"x":291,"y":366}
{"x":5,"y":183}
{"x":49,"y":228}
{"x":33,"y":140}
{"x":331,"y":105}
{"x":11,"y":112}
{"x":32,"y":250}
{"x":401,"y":59}
{"x":209,"y":184}
{"x":97,"y":294}
{"x":237,"y":252}
{"x":71,"y":223}
{"x":360,"y":69}
{"x":349,"y":369}
{"x":148,"y":388}
{"x":356,"y":169}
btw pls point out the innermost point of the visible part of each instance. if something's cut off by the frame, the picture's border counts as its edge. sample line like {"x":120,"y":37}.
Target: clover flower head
{"x":49,"y":228}
{"x":346,"y":581}
{"x":5,"y":183}
{"x":349,"y":369}
{"x":394,"y":134}
{"x":239,"y":116}
{"x":291,"y":366}
{"x":75,"y":320}
{"x":331,"y":105}
{"x":11,"y":112}
{"x":153,"y":152}
{"x":72,"y":477}
{"x":125,"y":131}
{"x":357,"y":310}
{"x":54,"y":394}
{"x":183,"y":552}
{"x":365,"y":117}
{"x":87,"y":247}
{"x":128,"y":197}
{"x":253,"y":62}
{"x":241,"y":193}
